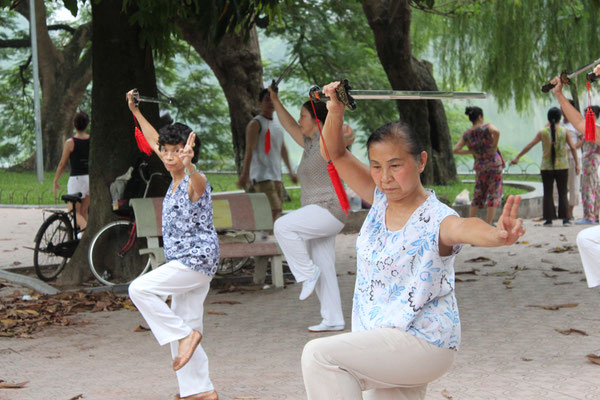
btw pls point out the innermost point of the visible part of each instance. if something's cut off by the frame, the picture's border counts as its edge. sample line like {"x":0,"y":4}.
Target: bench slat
{"x":238,"y":250}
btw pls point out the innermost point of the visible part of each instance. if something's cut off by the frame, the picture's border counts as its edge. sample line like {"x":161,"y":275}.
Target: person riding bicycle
{"x":192,"y":253}
{"x":76,"y":152}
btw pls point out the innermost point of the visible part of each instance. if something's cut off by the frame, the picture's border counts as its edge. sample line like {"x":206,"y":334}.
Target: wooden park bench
{"x":246,"y":212}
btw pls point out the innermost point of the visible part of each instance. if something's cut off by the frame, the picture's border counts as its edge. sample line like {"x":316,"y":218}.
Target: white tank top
{"x":267,"y":167}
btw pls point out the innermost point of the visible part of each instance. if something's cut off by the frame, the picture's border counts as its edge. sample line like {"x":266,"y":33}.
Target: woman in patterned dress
{"x":191,"y":251}
{"x":405,"y":323}
{"x":590,"y":184}
{"x":555,"y":165}
{"x":307,"y":235}
{"x":482,"y":141}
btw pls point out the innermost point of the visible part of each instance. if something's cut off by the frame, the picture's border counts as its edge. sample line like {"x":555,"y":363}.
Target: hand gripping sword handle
{"x":342,"y":91}
{"x":564,"y":79}
{"x":592,"y":77}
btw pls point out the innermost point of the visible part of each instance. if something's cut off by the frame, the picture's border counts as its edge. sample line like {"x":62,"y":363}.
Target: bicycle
{"x":56,"y":240}
{"x":114,"y":256}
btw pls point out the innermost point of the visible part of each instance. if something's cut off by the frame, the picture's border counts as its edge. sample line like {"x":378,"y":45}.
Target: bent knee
{"x":134,"y":289}
{"x":312,"y":354}
{"x":587,"y":237}
{"x":280,"y":226}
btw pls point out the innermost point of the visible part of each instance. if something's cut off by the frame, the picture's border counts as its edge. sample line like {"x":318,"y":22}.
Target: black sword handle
{"x":274,"y":86}
{"x":563,"y":77}
{"x":592,"y":77}
{"x":342,"y":91}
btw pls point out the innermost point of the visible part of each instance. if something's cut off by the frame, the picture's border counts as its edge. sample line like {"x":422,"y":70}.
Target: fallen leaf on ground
{"x":523,"y":242}
{"x":562,"y":249}
{"x":5,"y":385}
{"x":562,"y":238}
{"x":562,"y":283}
{"x":554,"y":308}
{"x":472,"y":272}
{"x":506,"y":282}
{"x":447,"y":394}
{"x":559,"y":269}
{"x":465,"y":280}
{"x":16,"y":263}
{"x":512,"y":253}
{"x":512,"y":275}
{"x":351,"y":273}
{"x":526,"y":359}
{"x":211,"y":312}
{"x":536,"y":245}
{"x":141,"y":328}
{"x":478,"y":259}
{"x":232,"y":302}
{"x":519,"y":268}
{"x":79,"y":396}
{"x":594,"y":358}
{"x":547,"y":275}
{"x":571,"y":330}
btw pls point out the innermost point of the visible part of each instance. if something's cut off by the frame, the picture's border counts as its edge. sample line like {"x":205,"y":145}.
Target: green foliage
{"x":334,"y":41}
{"x":511,"y":48}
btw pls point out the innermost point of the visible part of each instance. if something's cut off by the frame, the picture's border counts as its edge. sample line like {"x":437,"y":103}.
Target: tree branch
{"x":15,"y":43}
{"x":64,"y":27}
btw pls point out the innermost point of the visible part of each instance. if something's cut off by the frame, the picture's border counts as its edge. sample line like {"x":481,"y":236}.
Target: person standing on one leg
{"x":191,"y":251}
{"x":307,"y":235}
{"x":76,"y":152}
{"x":405,"y":323}
{"x":261,"y":167}
{"x":482,"y":141}
{"x":555,"y":165}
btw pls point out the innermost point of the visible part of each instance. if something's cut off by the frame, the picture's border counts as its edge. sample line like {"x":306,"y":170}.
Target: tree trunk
{"x":390,"y":23}
{"x":236,"y":63}
{"x":64,"y":76}
{"x":119,"y":64}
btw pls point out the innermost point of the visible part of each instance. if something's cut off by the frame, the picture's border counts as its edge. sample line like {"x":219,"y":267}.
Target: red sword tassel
{"x":590,"y":119}
{"x":142,"y":143}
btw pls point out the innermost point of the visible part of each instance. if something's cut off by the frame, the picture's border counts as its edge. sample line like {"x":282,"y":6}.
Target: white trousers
{"x":588,"y":243}
{"x":574,"y":183}
{"x":188,"y":289}
{"x":385,"y":364}
{"x":307,"y":238}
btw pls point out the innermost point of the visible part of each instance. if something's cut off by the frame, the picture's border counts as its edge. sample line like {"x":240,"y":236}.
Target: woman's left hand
{"x":510,"y":228}
{"x":187,"y":153}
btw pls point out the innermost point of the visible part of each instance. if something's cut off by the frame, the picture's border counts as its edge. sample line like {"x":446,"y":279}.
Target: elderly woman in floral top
{"x":405,"y":323}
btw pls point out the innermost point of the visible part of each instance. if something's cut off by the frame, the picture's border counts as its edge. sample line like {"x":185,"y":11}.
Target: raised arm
{"x":351,"y":169}
{"x":458,"y":148}
{"x":148,"y":130}
{"x":287,"y":121}
{"x":536,"y":140}
{"x":252,"y":133}
{"x":567,"y":108}
{"x":455,"y":230}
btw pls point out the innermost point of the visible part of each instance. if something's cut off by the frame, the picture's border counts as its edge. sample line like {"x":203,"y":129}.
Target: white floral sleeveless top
{"x":189,"y":235}
{"x":402,"y":281}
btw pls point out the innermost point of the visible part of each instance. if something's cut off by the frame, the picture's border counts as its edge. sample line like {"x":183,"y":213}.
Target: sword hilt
{"x":564,"y":78}
{"x":592,"y":77}
{"x":342,"y":92}
{"x":274,"y":86}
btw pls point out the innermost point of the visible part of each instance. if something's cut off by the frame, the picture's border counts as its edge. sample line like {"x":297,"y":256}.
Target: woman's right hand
{"x":557,"y":89}
{"x":130,"y":101}
{"x":333,"y":105}
{"x":515,"y":161}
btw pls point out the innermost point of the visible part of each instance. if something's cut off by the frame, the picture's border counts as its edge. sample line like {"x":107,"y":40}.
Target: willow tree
{"x":511,"y":48}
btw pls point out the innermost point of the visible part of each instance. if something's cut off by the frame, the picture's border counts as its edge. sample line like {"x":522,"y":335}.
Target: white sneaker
{"x":308,"y":286}
{"x":325,"y":328}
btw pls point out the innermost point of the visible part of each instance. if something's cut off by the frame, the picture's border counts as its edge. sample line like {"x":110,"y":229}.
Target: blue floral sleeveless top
{"x":189,"y":235}
{"x":402,"y":281}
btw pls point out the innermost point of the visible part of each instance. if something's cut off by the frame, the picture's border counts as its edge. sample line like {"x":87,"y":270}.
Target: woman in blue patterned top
{"x":192,"y":254}
{"x":405,"y":323}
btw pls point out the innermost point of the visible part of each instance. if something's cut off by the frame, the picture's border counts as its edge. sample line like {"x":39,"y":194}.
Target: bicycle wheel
{"x":48,"y":259}
{"x":113,"y":258}
{"x":228,"y":266}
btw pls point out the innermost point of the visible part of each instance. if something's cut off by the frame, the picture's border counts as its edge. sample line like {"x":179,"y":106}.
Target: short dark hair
{"x":320,"y":108}
{"x":554,"y":115}
{"x":81,"y":121}
{"x":473,"y":113}
{"x":262,"y":94}
{"x":177,"y":133}
{"x":398,"y":130}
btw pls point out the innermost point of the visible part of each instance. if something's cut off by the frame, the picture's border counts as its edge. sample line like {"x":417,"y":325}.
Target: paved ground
{"x":509,"y":349}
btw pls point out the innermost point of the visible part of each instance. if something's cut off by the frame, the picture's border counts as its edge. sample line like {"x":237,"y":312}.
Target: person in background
{"x":574,"y":180}
{"x":590,"y":182}
{"x":262,"y":168}
{"x":482,"y":142}
{"x":555,"y":165}
{"x":76,"y":152}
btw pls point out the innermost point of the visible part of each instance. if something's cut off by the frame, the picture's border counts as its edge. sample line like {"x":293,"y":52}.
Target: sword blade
{"x":146,"y":99}
{"x":584,"y":68}
{"x":286,"y":70}
{"x":412,"y":95}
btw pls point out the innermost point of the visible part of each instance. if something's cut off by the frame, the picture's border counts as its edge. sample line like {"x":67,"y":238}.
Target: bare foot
{"x":212,"y":395}
{"x":187,"y":346}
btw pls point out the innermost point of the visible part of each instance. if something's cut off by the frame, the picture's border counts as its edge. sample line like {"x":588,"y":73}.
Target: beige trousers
{"x":383,"y":363}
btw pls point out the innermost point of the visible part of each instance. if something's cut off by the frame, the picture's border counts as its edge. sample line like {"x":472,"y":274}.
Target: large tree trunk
{"x":237,"y":65}
{"x":390,"y":23}
{"x":119,"y":64}
{"x":64,"y":76}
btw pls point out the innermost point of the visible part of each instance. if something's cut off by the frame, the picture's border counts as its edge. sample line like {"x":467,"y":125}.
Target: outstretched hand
{"x":187,"y":153}
{"x":510,"y":228}
{"x":333,"y":105}
{"x":130,"y":101}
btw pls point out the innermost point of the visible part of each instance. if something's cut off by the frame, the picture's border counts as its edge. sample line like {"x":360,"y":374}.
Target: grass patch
{"x":23,"y":188}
